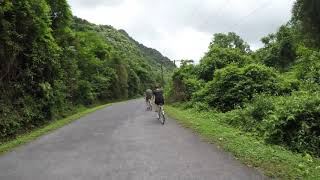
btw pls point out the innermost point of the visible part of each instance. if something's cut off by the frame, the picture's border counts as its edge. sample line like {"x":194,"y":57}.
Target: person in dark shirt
{"x":158,"y":97}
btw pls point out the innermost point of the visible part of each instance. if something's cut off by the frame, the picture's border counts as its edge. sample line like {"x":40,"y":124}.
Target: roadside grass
{"x":274,"y":161}
{"x":51,"y":126}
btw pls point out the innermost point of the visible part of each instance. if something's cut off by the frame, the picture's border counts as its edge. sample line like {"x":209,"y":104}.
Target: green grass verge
{"x":274,"y":161}
{"x":28,"y":137}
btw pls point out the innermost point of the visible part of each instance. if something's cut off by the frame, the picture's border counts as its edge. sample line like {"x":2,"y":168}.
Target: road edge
{"x":271,"y":160}
{"x":50,"y":127}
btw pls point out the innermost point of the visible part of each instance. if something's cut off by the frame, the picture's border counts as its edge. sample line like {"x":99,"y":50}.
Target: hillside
{"x":155,"y":57}
{"x":124,"y":43}
{"x":53,"y":62}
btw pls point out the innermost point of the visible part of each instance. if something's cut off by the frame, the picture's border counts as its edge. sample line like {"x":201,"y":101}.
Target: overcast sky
{"x":183,"y":29}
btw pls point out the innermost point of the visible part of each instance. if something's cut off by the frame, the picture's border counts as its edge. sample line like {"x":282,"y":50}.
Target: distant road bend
{"x":122,"y":142}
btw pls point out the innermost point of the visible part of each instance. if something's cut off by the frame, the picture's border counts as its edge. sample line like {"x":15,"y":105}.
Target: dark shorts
{"x":159,"y":101}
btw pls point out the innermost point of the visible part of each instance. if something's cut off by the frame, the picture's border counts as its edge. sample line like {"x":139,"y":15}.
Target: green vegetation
{"x":270,"y":96}
{"x":275,"y":161}
{"x":52,"y":62}
{"x":306,"y":15}
{"x":262,"y":105}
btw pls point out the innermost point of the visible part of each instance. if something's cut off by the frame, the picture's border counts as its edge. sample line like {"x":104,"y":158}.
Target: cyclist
{"x":158,"y":98}
{"x":148,"y":96}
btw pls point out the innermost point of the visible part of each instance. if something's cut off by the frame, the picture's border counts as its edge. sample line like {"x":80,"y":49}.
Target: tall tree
{"x":121,"y":83}
{"x":225,"y":49}
{"x":230,"y":40}
{"x":61,"y":18}
{"x":280,"y":48}
{"x":60,"y":14}
{"x":28,"y":49}
{"x":307,"y":14}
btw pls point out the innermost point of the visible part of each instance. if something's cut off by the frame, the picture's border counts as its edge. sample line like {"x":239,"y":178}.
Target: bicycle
{"x":161,"y":116}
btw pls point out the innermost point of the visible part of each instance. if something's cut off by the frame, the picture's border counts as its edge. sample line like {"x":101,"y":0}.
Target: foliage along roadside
{"x":271,"y":94}
{"x":274,"y":161}
{"x":52,"y":62}
{"x":51,"y":126}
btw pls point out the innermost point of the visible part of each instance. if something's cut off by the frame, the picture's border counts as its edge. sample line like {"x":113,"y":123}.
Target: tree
{"x":230,"y":40}
{"x":268,"y":40}
{"x":307,"y":14}
{"x":217,"y":58}
{"x":281,"y":48}
{"x":26,"y":35}
{"x":29,"y":65}
{"x":225,"y":49}
{"x":184,"y":81}
{"x":120,"y":85}
{"x":134,"y":86}
{"x":50,"y":64}
{"x":232,"y":86}
{"x":60,"y":14}
{"x":185,"y":63}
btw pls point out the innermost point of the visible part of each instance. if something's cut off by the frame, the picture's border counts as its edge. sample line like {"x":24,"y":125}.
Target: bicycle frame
{"x":161,"y":114}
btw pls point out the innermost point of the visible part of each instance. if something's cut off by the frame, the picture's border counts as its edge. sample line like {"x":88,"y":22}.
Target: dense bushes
{"x":233,"y":85}
{"x":292,"y":121}
{"x":218,"y":58}
{"x":309,"y":65}
{"x":306,"y":15}
{"x":30,"y":67}
{"x":296,"y":123}
{"x":51,"y":62}
{"x":280,"y":49}
{"x":184,"y":82}
{"x":272,"y":93}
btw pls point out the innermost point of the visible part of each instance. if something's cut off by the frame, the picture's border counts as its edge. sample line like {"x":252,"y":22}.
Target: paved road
{"x":121,"y":142}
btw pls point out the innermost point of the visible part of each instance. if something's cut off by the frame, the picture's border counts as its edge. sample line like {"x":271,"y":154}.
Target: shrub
{"x":201,"y":106}
{"x":8,"y":127}
{"x":287,"y":85}
{"x":251,"y":117}
{"x":183,"y":88}
{"x":292,"y":121}
{"x":296,"y":122}
{"x":85,"y":92}
{"x":26,"y":112}
{"x":233,"y":86}
{"x":184,"y":83}
{"x":309,"y":65}
{"x":218,"y":58}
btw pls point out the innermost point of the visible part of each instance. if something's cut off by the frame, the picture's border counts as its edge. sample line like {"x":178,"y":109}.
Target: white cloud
{"x":184,"y":28}
{"x":94,"y":3}
{"x":186,"y":44}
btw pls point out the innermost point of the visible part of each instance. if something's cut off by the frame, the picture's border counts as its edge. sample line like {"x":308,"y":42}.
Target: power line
{"x":218,"y":13}
{"x":264,"y":5}
{"x":224,"y":7}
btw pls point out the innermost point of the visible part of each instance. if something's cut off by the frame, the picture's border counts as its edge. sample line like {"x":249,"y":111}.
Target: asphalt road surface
{"x":122,"y":142}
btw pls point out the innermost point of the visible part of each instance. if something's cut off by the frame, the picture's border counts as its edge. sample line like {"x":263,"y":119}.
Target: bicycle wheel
{"x":161,"y":115}
{"x":163,"y":118}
